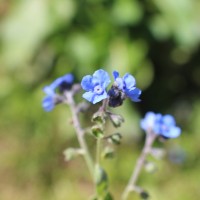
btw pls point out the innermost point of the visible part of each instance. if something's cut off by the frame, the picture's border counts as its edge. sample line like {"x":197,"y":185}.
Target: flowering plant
{"x":63,"y":90}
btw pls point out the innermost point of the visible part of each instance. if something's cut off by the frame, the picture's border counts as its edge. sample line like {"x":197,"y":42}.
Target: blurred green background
{"x":158,"y":41}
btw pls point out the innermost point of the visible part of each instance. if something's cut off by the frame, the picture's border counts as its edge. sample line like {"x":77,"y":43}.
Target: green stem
{"x":98,"y":151}
{"x":131,"y":186}
{"x":80,"y":132}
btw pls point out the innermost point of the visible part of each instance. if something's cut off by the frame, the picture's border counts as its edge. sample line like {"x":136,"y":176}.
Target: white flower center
{"x":98,"y":89}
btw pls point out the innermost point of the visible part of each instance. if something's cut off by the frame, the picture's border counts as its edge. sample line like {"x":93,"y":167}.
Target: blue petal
{"x":49,"y":91}
{"x":98,"y":98}
{"x":129,"y":81}
{"x":115,"y":74}
{"x":56,"y":83}
{"x":169,"y":120}
{"x":120,"y":83}
{"x":88,"y":96}
{"x":48,"y":103}
{"x":172,"y":133}
{"x":148,"y":121}
{"x":134,"y":94}
{"x":69,"y":78}
{"x":101,"y":77}
{"x":86,"y":83}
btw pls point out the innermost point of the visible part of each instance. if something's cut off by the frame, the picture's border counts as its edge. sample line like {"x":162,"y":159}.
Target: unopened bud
{"x":108,"y":153}
{"x":72,"y":153}
{"x":116,"y":120}
{"x":99,"y":117}
{"x":115,"y":138}
{"x":97,"y":131}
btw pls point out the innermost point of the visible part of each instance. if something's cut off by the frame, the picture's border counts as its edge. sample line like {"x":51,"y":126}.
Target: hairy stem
{"x":131,"y":186}
{"x":80,"y":132}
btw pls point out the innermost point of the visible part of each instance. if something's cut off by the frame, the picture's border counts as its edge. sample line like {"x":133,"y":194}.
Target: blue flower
{"x":127,"y":84}
{"x":168,"y":127}
{"x":95,"y":86}
{"x":164,"y":126}
{"x":62,"y":83}
{"x":151,"y":122}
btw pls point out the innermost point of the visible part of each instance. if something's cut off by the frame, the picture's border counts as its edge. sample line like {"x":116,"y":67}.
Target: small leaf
{"x":97,"y":131}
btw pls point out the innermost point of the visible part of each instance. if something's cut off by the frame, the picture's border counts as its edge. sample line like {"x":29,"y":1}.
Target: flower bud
{"x":72,"y":153}
{"x":99,"y":117}
{"x":97,"y":131}
{"x":108,"y":153}
{"x":116,"y":120}
{"x":115,"y":138}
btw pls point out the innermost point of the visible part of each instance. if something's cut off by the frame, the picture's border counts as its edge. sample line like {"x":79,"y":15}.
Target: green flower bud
{"x":97,"y":131}
{"x":115,"y":138}
{"x":116,"y":120}
{"x":72,"y":153}
{"x":108,"y":153}
{"x":99,"y":117}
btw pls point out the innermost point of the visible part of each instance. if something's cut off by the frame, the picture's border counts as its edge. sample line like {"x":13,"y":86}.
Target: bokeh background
{"x":157,"y":41}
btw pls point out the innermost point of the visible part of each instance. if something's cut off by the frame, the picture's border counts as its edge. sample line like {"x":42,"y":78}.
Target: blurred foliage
{"x":156,"y":41}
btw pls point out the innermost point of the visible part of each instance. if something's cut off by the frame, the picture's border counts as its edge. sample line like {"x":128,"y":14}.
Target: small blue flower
{"x":127,"y":84}
{"x":151,"y":122}
{"x":164,"y":126}
{"x":95,"y":86}
{"x":168,"y":127}
{"x":62,"y":83}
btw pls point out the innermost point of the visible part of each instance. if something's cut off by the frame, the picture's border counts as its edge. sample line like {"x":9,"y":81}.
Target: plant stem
{"x":98,"y":150}
{"x":131,"y":186}
{"x":80,"y":132}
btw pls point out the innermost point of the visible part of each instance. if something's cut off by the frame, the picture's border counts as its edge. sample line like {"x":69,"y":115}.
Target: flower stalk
{"x":80,"y":132}
{"x":131,"y":186}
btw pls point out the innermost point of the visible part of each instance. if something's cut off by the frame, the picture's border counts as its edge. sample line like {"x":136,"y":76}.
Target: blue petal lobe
{"x":86,"y":83}
{"x":168,"y":120}
{"x":88,"y":96}
{"x":115,"y":74}
{"x":69,"y":78}
{"x":129,"y":81}
{"x":98,"y":98}
{"x":48,"y":90}
{"x":101,"y":77}
{"x":48,"y":103}
{"x":134,"y":94}
{"x":173,"y":132}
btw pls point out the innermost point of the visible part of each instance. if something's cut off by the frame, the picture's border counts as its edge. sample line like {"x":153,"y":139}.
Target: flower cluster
{"x":121,"y":89}
{"x":62,"y":90}
{"x":163,"y":125}
{"x":52,"y":98}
